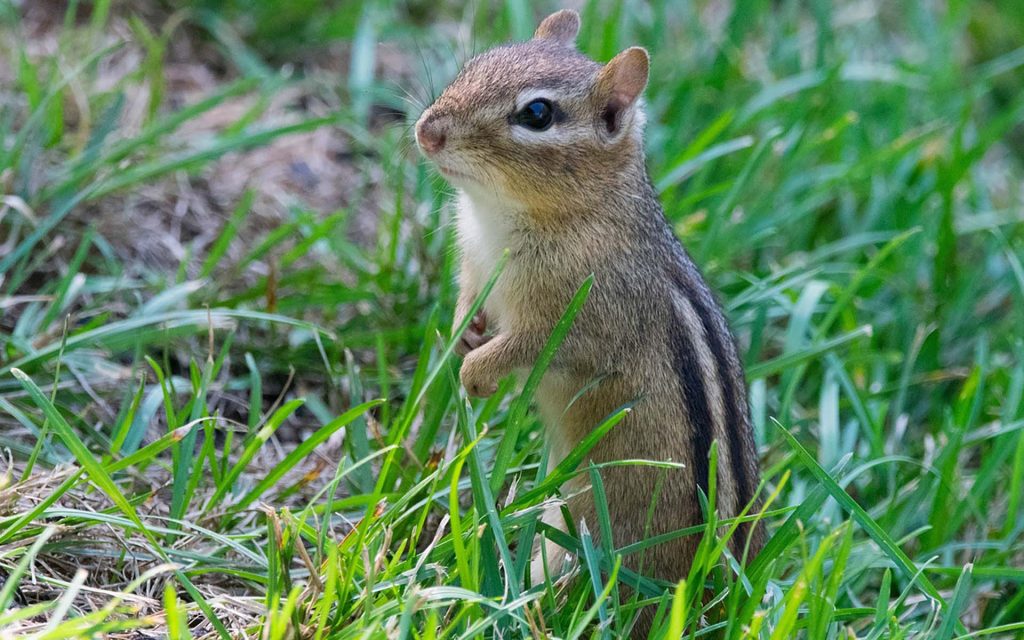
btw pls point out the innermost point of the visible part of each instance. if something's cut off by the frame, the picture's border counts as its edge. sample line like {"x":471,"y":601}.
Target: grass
{"x":228,"y":397}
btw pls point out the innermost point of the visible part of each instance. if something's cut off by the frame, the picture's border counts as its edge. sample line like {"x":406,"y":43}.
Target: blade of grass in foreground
{"x":788,"y":534}
{"x":466,"y":577}
{"x":593,"y":564}
{"x":992,"y":631}
{"x":599,"y":603}
{"x":873,"y":529}
{"x":678,"y":614}
{"x":417,"y":392}
{"x":517,"y":412}
{"x":250,"y":450}
{"x":186,"y":465}
{"x":303,"y":450}
{"x":801,"y":589}
{"x":568,"y":466}
{"x":485,"y":505}
{"x":961,"y":594}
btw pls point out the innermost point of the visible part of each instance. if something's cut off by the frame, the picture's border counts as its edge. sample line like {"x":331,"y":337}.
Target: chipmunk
{"x":545,"y":147}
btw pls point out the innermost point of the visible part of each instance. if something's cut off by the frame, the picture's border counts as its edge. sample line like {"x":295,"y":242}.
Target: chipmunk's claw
{"x":474,"y":335}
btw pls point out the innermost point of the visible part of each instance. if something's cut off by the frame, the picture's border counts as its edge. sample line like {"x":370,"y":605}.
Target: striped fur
{"x":723,"y":409}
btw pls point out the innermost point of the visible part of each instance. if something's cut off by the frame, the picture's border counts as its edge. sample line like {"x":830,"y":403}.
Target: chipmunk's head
{"x":538,"y":122}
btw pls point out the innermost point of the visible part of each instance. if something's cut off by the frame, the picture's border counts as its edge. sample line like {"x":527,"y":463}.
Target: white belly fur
{"x":485,"y":231}
{"x":486,"y":228}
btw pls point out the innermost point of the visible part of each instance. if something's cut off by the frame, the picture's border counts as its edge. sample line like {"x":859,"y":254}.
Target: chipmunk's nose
{"x":431,"y":133}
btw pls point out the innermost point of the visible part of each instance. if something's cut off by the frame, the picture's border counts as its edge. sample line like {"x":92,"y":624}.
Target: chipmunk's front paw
{"x":476,"y":378}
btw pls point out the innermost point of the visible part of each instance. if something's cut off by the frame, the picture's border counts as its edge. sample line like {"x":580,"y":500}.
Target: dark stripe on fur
{"x":734,"y":397}
{"x":694,"y":397}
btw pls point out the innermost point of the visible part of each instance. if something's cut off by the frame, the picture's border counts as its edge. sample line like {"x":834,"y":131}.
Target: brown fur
{"x":650,"y":330}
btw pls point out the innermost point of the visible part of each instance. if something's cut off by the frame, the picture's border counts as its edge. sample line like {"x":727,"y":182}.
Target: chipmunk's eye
{"x":537,"y":115}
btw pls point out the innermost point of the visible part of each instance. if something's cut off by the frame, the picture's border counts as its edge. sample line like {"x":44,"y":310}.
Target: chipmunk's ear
{"x":619,"y":84}
{"x":561,"y":26}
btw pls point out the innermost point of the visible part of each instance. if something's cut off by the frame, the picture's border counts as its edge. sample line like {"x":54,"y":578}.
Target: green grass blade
{"x":961,"y":593}
{"x":304,"y":449}
{"x":873,"y":529}
{"x":517,"y":412}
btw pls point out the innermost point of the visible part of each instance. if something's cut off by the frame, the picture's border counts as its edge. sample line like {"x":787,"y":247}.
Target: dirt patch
{"x":164,"y":221}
